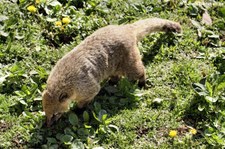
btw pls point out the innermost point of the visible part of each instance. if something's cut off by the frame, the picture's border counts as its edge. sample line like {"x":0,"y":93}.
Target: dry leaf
{"x":206,"y":19}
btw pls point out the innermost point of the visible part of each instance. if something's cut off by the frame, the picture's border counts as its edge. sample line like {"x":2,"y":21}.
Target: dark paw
{"x":114,"y":80}
{"x":142,"y":84}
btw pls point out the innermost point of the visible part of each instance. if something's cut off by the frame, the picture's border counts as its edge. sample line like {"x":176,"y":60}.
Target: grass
{"x":185,"y":76}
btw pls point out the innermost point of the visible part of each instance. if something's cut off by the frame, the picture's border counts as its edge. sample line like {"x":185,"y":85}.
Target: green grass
{"x":185,"y":76}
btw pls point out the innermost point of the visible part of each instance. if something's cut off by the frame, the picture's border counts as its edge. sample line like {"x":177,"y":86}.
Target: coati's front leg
{"x":134,"y":68}
{"x":114,"y":80}
{"x":137,"y":73}
{"x":87,"y":94}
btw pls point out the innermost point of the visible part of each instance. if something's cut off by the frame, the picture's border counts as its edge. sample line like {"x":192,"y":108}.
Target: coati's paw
{"x":142,"y":84}
{"x":172,"y":27}
{"x":114,"y":80}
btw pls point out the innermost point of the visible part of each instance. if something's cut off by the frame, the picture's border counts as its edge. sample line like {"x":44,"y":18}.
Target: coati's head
{"x":54,"y":105}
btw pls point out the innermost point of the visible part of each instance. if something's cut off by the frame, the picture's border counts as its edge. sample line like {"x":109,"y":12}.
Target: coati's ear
{"x":63,"y":97}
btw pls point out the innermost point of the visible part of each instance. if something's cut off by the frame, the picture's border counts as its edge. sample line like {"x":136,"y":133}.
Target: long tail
{"x":147,"y":26}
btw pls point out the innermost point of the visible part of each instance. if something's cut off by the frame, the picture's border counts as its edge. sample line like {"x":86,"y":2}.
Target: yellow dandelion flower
{"x":173,"y":133}
{"x":193,"y":131}
{"x":58,"y":23}
{"x":66,"y":20}
{"x":32,"y":8}
{"x":37,"y":1}
{"x":62,"y":28}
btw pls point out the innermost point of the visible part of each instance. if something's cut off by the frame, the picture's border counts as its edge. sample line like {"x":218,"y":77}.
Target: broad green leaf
{"x":19,"y":37}
{"x":99,"y":147}
{"x":20,"y":93}
{"x":214,"y":36}
{"x":114,"y":127}
{"x":66,"y":138}
{"x":211,"y":99}
{"x":220,"y":24}
{"x":51,"y":140}
{"x":3,"y":18}
{"x":2,"y":79}
{"x":97,"y":107}
{"x":59,"y":135}
{"x":209,"y":88}
{"x":25,"y":90}
{"x":158,"y":100}
{"x":200,"y":86}
{"x":95,"y":116}
{"x":22,"y":1}
{"x":86,"y":116}
{"x":107,"y":121}
{"x":196,"y":24}
{"x":193,"y":10}
{"x":200,"y":89}
{"x":51,"y":19}
{"x":209,"y":131}
{"x":208,"y":32}
{"x":1,"y":54}
{"x":55,"y":3}
{"x":221,"y":86}
{"x":68,"y":131}
{"x":47,"y":10}
{"x":38,"y":99}
{"x":4,"y":34}
{"x":92,"y":3}
{"x":53,"y":146}
{"x":87,"y":126}
{"x":221,"y":83}
{"x":102,"y":115}
{"x":77,"y":145}
{"x":23,"y":102}
{"x":83,"y":131}
{"x":73,"y":119}
{"x":201,"y":107}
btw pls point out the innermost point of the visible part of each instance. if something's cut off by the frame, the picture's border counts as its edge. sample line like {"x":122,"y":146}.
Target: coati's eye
{"x":63,"y":97}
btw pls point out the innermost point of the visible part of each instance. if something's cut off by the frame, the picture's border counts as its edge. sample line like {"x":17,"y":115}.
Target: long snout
{"x":53,"y":118}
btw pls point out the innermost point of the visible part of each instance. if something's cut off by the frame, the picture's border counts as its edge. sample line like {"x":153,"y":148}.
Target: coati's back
{"x":99,"y":55}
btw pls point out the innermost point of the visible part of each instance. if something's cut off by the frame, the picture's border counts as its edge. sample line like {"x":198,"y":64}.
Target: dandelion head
{"x":58,"y":23}
{"x":173,"y":133}
{"x":66,"y":20}
{"x":37,"y":1}
{"x":32,"y":8}
{"x":193,"y":131}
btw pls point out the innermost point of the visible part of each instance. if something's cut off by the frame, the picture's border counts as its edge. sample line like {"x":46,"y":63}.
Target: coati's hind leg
{"x":135,"y":70}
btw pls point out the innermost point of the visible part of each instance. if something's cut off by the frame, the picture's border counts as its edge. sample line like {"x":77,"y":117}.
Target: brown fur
{"x":110,"y":51}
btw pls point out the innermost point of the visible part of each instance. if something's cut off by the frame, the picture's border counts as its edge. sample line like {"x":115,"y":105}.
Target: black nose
{"x":49,"y":122}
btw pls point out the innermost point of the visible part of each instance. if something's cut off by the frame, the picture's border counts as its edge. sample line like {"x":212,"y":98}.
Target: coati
{"x":110,"y":51}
